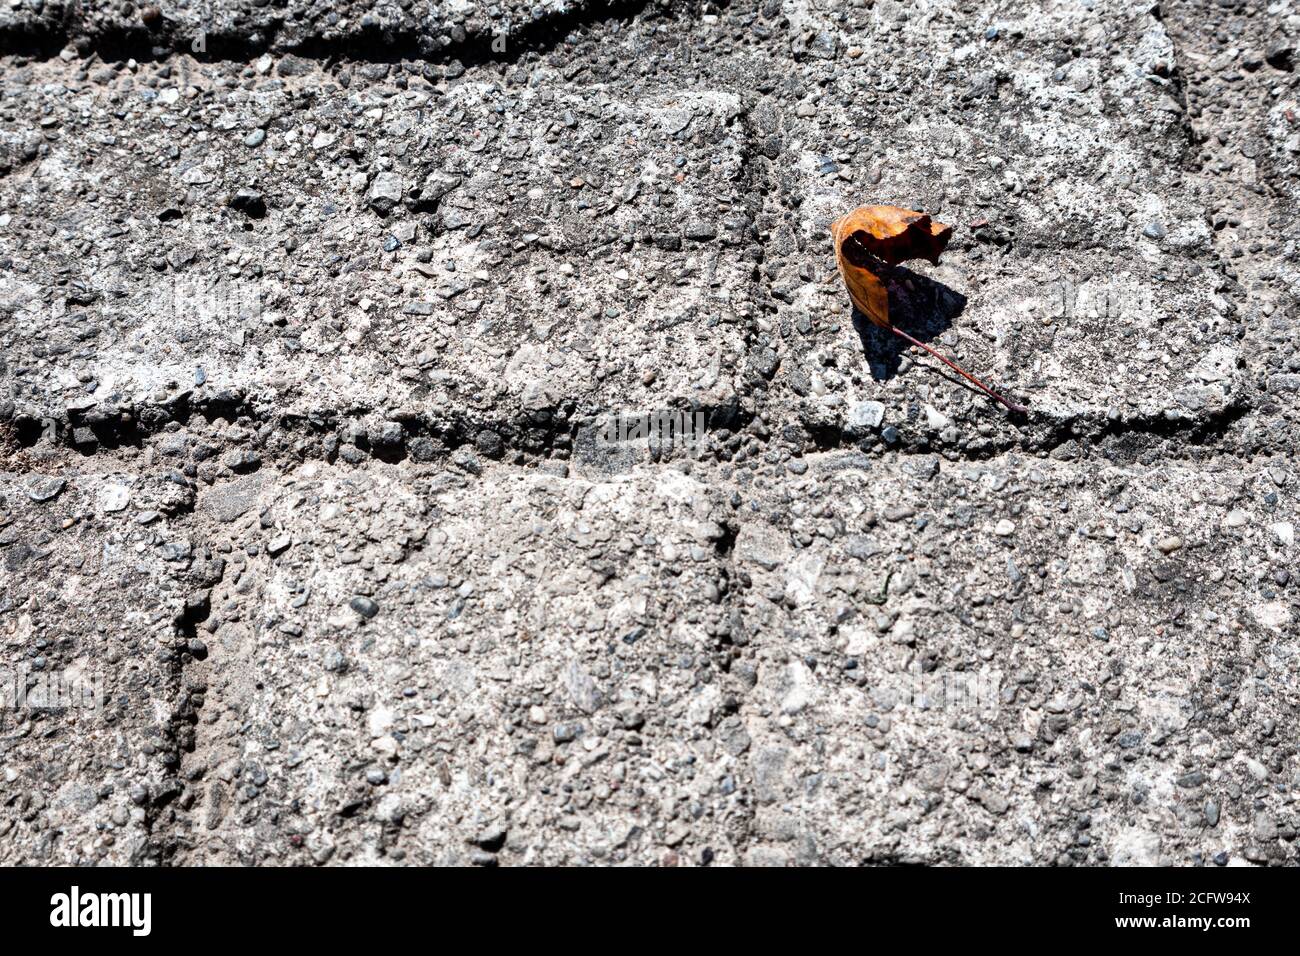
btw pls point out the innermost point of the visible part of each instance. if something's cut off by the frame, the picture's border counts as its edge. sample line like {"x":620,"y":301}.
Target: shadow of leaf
{"x":924,"y":307}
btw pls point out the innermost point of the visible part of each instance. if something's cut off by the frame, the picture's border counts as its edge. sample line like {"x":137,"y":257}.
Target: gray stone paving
{"x":311,"y":336}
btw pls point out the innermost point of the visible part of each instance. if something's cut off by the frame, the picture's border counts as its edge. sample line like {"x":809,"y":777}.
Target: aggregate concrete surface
{"x":313,"y":319}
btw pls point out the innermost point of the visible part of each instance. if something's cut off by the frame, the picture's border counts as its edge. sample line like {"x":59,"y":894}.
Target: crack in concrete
{"x":46,"y":38}
{"x":571,"y":430}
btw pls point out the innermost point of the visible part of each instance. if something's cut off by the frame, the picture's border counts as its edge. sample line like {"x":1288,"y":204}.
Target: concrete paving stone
{"x":1050,"y":166}
{"x":955,"y":636}
{"x":564,"y":251}
{"x":99,"y":589}
{"x":432,"y":656}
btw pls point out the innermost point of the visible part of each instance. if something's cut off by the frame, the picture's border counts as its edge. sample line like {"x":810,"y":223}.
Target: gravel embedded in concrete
{"x":314,"y":335}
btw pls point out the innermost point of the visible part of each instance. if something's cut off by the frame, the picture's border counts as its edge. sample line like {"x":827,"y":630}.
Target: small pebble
{"x":1170,"y":544}
{"x":364,"y":606}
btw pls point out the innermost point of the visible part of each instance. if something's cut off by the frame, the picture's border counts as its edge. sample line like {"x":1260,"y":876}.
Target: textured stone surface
{"x":310,"y":340}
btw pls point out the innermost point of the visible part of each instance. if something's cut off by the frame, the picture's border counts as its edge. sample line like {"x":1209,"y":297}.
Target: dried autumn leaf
{"x":869,"y":241}
{"x":871,"y":235}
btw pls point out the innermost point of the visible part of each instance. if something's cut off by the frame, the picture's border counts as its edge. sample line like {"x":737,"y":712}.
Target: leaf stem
{"x":961,"y":371}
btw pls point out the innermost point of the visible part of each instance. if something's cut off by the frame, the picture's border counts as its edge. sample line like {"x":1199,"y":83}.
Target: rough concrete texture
{"x":310,"y":332}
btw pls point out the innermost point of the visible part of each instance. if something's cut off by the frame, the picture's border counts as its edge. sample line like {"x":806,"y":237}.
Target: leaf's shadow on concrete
{"x":922,"y":307}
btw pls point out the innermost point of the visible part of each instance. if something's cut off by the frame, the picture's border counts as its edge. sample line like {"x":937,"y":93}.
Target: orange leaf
{"x":872,"y":236}
{"x":872,"y":239}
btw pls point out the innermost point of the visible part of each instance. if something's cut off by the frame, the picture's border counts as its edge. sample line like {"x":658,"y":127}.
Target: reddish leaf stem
{"x":961,"y":371}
